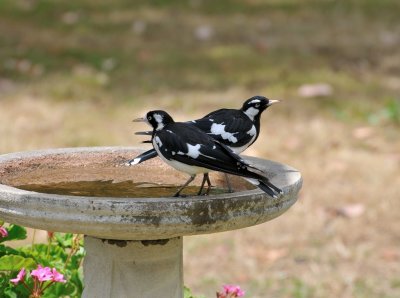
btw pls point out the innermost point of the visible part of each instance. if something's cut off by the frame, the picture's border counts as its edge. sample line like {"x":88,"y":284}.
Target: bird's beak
{"x":142,"y":119}
{"x":272,"y":101}
{"x":143,"y":133}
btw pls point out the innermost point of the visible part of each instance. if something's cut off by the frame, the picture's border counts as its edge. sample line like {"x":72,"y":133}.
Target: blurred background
{"x":75,"y":73}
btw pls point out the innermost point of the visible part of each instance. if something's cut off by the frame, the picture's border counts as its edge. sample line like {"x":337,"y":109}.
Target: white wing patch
{"x":193,"y":150}
{"x":219,"y":129}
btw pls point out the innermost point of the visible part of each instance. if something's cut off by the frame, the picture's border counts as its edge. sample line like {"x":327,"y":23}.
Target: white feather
{"x":252,"y":131}
{"x":133,"y":162}
{"x":219,"y":129}
{"x":193,"y":151}
{"x":251,"y":113}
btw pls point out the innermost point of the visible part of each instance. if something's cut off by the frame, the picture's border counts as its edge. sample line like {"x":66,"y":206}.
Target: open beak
{"x":272,"y":101}
{"x":142,"y":119}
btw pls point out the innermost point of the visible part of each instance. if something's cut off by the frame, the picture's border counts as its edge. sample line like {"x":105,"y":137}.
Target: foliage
{"x":64,"y":252}
{"x":56,"y":267}
{"x":187,"y":293}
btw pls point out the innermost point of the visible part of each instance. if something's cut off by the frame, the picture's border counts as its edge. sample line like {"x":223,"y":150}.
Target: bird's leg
{"x":205,"y":176}
{"x":209,"y":185}
{"x":228,"y":182}
{"x":184,"y":185}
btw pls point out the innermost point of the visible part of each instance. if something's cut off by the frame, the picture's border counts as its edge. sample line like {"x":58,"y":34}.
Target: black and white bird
{"x":189,"y":149}
{"x":235,"y":128}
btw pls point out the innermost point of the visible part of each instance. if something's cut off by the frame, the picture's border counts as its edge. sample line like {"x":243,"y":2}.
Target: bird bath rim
{"x":140,"y":218}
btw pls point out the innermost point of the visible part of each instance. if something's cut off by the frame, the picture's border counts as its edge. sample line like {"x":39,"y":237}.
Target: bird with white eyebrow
{"x":236,"y":128}
{"x":190,"y":150}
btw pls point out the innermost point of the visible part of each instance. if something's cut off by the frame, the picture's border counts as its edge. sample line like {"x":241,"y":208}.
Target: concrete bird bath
{"x":134,"y":245}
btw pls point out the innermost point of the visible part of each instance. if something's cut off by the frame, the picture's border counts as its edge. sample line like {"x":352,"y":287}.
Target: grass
{"x":74,"y":73}
{"x":263,"y":49}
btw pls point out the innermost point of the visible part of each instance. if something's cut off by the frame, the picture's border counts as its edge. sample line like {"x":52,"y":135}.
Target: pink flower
{"x":42,"y":274}
{"x":58,"y":277}
{"x":3,"y":232}
{"x":42,"y":279}
{"x":20,"y":277}
{"x":234,"y":290}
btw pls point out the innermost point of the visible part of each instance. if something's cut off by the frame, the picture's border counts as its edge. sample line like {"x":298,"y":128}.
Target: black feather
{"x":173,"y":143}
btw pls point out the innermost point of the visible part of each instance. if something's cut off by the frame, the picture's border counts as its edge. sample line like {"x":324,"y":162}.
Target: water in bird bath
{"x":109,"y":188}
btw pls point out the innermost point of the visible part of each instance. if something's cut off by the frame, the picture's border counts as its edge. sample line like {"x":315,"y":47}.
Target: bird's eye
{"x":257,"y":105}
{"x":149,"y":118}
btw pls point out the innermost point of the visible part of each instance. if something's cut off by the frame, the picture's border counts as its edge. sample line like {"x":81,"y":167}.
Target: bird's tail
{"x":142,"y":157}
{"x":266,"y":186}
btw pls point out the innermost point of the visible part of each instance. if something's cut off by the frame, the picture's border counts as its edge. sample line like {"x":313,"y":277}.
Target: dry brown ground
{"x":341,"y":239}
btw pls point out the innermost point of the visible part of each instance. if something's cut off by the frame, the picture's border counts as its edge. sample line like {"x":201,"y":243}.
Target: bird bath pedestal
{"x":133,"y":245}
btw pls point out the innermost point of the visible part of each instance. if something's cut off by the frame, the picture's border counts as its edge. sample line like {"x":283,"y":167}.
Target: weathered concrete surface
{"x":133,"y":269}
{"x":130,"y":218}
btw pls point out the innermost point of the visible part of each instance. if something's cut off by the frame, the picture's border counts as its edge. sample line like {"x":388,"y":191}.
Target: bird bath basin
{"x":133,"y":242}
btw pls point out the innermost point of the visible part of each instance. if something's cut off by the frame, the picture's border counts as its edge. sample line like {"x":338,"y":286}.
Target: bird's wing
{"x":193,"y":147}
{"x":231,"y":127}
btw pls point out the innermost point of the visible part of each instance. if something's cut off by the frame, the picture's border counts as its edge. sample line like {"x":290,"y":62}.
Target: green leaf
{"x":9,"y":293}
{"x":44,"y":254}
{"x":60,"y":290}
{"x":5,"y":250}
{"x":14,"y":263}
{"x":77,"y":279}
{"x":76,"y":259}
{"x":15,"y":233}
{"x":187,"y":293}
{"x":65,"y":240}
